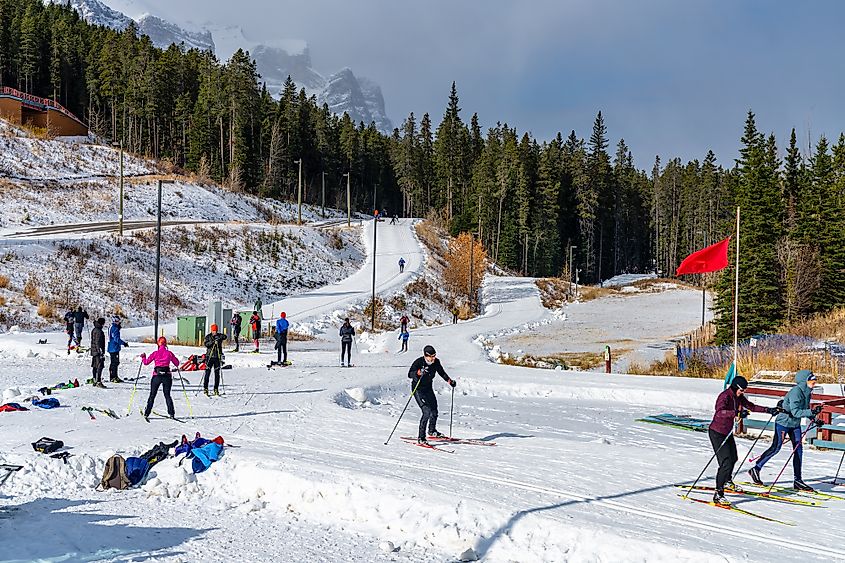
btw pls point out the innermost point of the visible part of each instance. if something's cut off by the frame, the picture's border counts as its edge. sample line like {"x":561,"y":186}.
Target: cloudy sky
{"x":671,"y":77}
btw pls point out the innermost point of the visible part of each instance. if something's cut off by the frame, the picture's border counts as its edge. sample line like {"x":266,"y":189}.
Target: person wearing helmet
{"x":730,"y":404}
{"x":796,"y":405}
{"x":161,"y":376}
{"x":115,"y":344}
{"x":422,"y":373}
{"x":282,"y":326}
{"x":213,"y":358}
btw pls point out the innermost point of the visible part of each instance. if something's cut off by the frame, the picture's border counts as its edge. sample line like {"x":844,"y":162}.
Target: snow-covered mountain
{"x":359,"y":97}
{"x":163,"y":34}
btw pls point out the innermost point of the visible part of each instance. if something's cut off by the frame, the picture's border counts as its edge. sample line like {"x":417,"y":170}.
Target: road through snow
{"x":572,"y":476}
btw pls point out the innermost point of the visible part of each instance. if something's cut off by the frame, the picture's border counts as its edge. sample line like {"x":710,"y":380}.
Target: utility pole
{"x":324,"y":196}
{"x":158,"y":255}
{"x":299,"y":193}
{"x":348,"y":200}
{"x":471,"y":266}
{"x":571,"y":274}
{"x":373,"y":303}
{"x":120,"y":210}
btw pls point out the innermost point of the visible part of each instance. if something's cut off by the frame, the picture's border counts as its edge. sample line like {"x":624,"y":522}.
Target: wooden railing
{"x":43,"y":102}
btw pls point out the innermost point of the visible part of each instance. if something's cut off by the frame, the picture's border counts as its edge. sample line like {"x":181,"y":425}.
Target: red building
{"x":25,"y":109}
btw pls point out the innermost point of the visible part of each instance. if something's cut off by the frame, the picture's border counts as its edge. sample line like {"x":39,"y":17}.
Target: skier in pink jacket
{"x":161,"y":376}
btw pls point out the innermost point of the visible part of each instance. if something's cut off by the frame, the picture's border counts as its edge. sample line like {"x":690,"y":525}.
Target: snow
{"x":626,"y":279}
{"x":307,"y":476}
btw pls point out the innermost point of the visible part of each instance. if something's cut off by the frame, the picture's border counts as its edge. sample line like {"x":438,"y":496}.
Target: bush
{"x":47,"y":310}
{"x":4,"y":282}
{"x":31,"y":291}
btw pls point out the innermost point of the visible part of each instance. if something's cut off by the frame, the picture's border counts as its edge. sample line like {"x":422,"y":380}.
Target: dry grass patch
{"x":31,"y":291}
{"x":590,"y":292}
{"x":554,"y":292}
{"x":826,"y":326}
{"x":582,"y":361}
{"x":47,"y":310}
{"x":4,"y":282}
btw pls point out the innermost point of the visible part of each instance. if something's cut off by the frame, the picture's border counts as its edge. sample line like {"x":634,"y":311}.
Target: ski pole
{"x":795,"y":449}
{"x":697,"y":479}
{"x":739,"y":467}
{"x":451,"y":411}
{"x":840,"y":467}
{"x":187,"y":400}
{"x":411,"y":396}
{"x":134,"y":387}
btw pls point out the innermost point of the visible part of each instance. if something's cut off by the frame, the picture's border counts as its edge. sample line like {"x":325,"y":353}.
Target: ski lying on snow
{"x":736,"y":509}
{"x":159,"y":415}
{"x":812,"y":494}
{"x":448,"y":440}
{"x":755,"y":494}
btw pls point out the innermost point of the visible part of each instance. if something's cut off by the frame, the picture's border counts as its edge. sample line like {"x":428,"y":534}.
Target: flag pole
{"x":736,"y":292}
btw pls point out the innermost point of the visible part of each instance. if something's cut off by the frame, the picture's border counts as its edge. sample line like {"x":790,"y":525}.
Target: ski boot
{"x":731,"y":486}
{"x":800,"y":485}
{"x":422,"y":442}
{"x":216,"y":393}
{"x":719,"y":499}
{"x":755,"y":476}
{"x":436,"y":434}
{"x":115,"y":380}
{"x":100,"y":385}
{"x":206,"y":392}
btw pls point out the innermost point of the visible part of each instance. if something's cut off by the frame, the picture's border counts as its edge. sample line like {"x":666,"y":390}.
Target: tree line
{"x":530,"y":202}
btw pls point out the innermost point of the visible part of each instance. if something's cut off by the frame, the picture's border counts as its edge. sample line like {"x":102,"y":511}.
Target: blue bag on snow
{"x":48,"y":403}
{"x":136,"y":469}
{"x":204,"y":456}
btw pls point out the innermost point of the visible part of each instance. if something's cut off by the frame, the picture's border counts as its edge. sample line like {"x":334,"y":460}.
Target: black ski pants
{"x":346,"y":348}
{"x":114,"y":361}
{"x":165,"y":381}
{"x":282,"y":346}
{"x":213,"y":362}
{"x":97,"y":363}
{"x":236,"y":334}
{"x":726,"y":456}
{"x":428,"y":404}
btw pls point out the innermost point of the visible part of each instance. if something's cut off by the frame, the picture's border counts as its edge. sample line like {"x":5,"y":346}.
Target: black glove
{"x":773,"y":410}
{"x":817,"y":409}
{"x":818,"y":423}
{"x":743,"y":413}
{"x":452,"y":382}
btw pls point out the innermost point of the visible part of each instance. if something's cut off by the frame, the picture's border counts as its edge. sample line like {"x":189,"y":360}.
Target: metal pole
{"x":120,"y":215}
{"x":373,"y":311}
{"x":158,"y":260}
{"x":299,"y":193}
{"x":324,"y":195}
{"x":703,"y":298}
{"x":736,"y":291}
{"x":471,"y":264}
{"x":348,"y":200}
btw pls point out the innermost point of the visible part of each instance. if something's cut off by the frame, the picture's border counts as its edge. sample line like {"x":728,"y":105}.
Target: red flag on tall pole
{"x":710,"y":259}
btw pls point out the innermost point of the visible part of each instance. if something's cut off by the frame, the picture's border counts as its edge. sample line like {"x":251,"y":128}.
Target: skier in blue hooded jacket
{"x":115,"y":344}
{"x":796,"y":405}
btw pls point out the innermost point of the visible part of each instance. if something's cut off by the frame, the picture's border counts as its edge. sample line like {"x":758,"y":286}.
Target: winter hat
{"x":739,"y":382}
{"x":101,"y":322}
{"x":214,"y":328}
{"x":283,"y":315}
{"x":162,"y":341}
{"x":429,"y":351}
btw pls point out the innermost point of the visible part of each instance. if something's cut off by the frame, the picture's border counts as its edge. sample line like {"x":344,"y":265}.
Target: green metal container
{"x":190,"y":330}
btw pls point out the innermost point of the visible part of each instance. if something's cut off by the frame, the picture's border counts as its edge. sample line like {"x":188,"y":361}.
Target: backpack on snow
{"x":114,"y":475}
{"x":47,"y":445}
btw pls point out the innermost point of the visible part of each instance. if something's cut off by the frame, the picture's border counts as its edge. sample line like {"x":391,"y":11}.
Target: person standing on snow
{"x":255,"y":326}
{"x":729,"y":404}
{"x":347,"y":333}
{"x":422,"y":374}
{"x":796,"y":405}
{"x":213,"y":358}
{"x":115,"y":344}
{"x":401,"y":265}
{"x":98,"y":352}
{"x":236,"y":330}
{"x":282,"y":325}
{"x":404,"y":335}
{"x":79,"y":317}
{"x":69,"y":329}
{"x":161,"y":376}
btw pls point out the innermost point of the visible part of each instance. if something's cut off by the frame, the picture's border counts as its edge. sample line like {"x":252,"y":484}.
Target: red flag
{"x":710,"y":259}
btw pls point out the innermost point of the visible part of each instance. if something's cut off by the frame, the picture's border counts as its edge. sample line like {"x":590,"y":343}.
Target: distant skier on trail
{"x":213,"y":358}
{"x":729,"y":404}
{"x":796,"y":405}
{"x":69,"y":329}
{"x":403,"y":323}
{"x":404,"y":335}
{"x":422,"y":373}
{"x":236,"y":330}
{"x":98,"y":352}
{"x":401,"y":265}
{"x":115,"y":344}
{"x":79,"y":317}
{"x":161,"y":376}
{"x":394,"y":219}
{"x":347,"y":333}
{"x":281,"y":336}
{"x":255,"y":327}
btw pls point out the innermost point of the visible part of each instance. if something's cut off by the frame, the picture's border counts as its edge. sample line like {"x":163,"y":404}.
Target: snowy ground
{"x":572,"y":476}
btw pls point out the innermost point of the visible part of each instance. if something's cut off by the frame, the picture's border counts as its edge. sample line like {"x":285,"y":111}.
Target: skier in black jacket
{"x":213,"y":357}
{"x":422,"y":374}
{"x":98,"y":352}
{"x":347,"y":333}
{"x":79,"y":317}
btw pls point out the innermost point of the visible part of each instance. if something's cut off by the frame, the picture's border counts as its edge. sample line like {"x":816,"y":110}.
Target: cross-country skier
{"x":98,"y":352}
{"x":69,"y":329}
{"x":255,"y":326}
{"x":404,"y":335}
{"x":115,"y":344}
{"x":422,"y":374}
{"x":796,"y":405}
{"x":236,"y":330}
{"x":729,"y":404}
{"x":401,"y":265}
{"x":394,"y":219}
{"x":161,"y":376}
{"x":213,"y":358}
{"x":347,"y":333}
{"x":282,"y":325}
{"x":79,"y":317}
{"x":403,"y":323}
